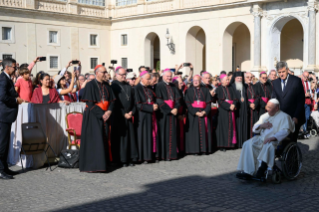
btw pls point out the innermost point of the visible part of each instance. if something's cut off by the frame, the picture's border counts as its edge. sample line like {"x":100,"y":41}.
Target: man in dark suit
{"x":9,"y":102}
{"x":289,"y":91}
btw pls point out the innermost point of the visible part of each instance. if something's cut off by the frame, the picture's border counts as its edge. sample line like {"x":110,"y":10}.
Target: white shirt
{"x":7,"y":75}
{"x":9,"y":79}
{"x":282,"y":84}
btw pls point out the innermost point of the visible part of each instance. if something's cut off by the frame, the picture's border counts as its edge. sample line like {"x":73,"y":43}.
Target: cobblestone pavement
{"x":193,"y":183}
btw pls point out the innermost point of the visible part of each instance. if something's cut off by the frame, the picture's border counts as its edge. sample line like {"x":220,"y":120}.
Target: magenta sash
{"x":234,"y":140}
{"x":251,"y":100}
{"x":201,"y":105}
{"x":170,"y":103}
{"x":265,"y":99}
{"x":154,"y":128}
{"x":181,"y":131}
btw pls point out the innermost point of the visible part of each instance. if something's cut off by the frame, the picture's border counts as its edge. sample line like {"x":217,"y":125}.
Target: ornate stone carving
{"x":312,"y":6}
{"x":91,"y":11}
{"x":11,"y":3}
{"x":48,"y":6}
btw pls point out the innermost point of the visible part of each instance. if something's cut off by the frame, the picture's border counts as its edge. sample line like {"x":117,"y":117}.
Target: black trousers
{"x":294,"y":136}
{"x":5,"y":131}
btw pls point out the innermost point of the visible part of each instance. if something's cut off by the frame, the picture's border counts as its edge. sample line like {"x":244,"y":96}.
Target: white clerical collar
{"x":167,"y":83}
{"x":142,"y":84}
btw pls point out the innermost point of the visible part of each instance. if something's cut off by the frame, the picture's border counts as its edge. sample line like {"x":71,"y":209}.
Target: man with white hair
{"x":146,"y":120}
{"x":198,"y":139}
{"x":226,"y":123}
{"x":258,"y":153}
{"x":168,"y":100}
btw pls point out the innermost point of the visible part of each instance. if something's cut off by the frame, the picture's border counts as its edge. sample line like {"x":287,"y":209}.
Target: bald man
{"x":99,"y":99}
{"x":168,"y":100}
{"x":273,"y":126}
{"x":198,"y":136}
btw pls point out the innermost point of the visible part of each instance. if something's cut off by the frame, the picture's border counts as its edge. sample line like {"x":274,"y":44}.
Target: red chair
{"x":74,"y":128}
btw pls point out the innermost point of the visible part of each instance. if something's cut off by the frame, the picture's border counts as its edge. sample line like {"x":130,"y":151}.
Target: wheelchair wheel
{"x":276,"y":177}
{"x":313,"y":133}
{"x":291,"y":161}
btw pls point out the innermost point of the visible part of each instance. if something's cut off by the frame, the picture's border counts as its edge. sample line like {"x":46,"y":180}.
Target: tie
{"x":282,"y":81}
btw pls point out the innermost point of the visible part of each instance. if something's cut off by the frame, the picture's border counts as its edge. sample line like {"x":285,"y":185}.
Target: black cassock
{"x":241,"y":116}
{"x":198,"y":129}
{"x":144,"y":120}
{"x":253,"y":115}
{"x":95,"y":151}
{"x":167,"y":94}
{"x":124,"y":147}
{"x":265,"y":91}
{"x":224,"y":128}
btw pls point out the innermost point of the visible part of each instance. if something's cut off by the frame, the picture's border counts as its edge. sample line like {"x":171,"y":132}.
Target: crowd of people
{"x":153,"y":115}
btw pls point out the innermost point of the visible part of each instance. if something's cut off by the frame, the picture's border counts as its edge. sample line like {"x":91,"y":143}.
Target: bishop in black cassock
{"x":198,"y":127}
{"x":253,"y":102}
{"x":168,"y":100}
{"x":242,"y":108}
{"x":264,"y":89}
{"x":226,"y":122}
{"x":124,"y":146}
{"x":146,"y":120}
{"x":99,"y":98}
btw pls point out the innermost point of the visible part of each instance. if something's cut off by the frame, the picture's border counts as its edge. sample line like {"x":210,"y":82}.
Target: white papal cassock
{"x":254,"y":150}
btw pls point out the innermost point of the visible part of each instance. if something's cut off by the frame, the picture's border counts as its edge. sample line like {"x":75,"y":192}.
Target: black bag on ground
{"x":70,"y":159}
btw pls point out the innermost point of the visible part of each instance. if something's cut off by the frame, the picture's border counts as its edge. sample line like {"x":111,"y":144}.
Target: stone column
{"x":312,"y":9}
{"x":257,"y":13}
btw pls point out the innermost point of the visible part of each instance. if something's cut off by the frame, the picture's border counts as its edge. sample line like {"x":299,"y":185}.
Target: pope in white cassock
{"x":258,"y":153}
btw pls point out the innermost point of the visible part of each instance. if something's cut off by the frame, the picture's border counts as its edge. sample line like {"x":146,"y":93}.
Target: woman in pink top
{"x":24,"y":85}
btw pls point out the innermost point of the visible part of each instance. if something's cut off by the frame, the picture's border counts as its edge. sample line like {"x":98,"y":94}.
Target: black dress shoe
{"x":10,"y":172}
{"x":243,"y":175}
{"x":261,"y":171}
{"x":131,"y":164}
{"x":5,"y":176}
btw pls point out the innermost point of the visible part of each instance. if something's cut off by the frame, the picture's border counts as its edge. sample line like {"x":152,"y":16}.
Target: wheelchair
{"x":289,"y":156}
{"x":288,"y":163}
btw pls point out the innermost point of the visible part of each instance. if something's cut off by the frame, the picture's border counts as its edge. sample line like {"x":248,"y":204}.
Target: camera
{"x":129,"y":70}
{"x":75,"y":61}
{"x":113,"y":62}
{"x":186,"y":64}
{"x":103,"y":64}
{"x":43,"y":58}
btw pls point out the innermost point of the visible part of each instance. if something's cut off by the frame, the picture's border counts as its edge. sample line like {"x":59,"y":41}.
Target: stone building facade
{"x":213,"y":35}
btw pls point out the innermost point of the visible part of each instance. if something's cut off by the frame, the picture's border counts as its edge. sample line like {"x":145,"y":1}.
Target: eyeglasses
{"x":122,"y":75}
{"x":263,"y":77}
{"x":104,"y":72}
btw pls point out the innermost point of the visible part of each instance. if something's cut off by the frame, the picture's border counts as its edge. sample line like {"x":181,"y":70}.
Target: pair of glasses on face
{"x":263,"y":77}
{"x":122,"y":75}
{"x":105,"y":72}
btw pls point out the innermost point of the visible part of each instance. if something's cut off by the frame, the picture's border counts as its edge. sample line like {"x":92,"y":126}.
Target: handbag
{"x":69,"y":158}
